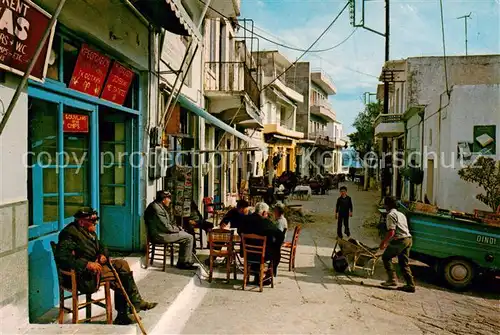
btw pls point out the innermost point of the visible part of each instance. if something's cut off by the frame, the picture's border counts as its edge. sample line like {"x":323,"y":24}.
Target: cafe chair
{"x":158,"y":252}
{"x":221,"y":242}
{"x":76,"y":306}
{"x":289,"y":249}
{"x":254,"y":246}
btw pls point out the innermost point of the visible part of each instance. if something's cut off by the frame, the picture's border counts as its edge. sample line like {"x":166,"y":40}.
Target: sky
{"x":355,"y":65}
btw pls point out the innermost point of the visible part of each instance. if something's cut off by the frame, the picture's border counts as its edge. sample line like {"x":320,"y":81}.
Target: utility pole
{"x":361,"y":23}
{"x":386,"y":98}
{"x":465,"y":17}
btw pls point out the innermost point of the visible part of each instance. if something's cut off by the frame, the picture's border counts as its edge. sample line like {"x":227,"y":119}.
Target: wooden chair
{"x":289,"y":249}
{"x":158,"y":252}
{"x":213,"y":209}
{"x":255,"y":245}
{"x":221,"y":245}
{"x":76,"y":306}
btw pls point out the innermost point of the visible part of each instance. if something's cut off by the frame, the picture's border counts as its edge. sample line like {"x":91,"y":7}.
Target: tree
{"x":486,"y":173}
{"x":363,"y":139}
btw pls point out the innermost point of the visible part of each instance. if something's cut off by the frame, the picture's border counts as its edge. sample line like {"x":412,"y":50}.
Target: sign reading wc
{"x":22,"y":26}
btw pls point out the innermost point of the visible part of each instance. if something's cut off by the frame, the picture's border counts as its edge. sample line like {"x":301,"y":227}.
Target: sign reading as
{"x":22,"y":26}
{"x":75,"y":123}
{"x":90,"y":71}
{"x":117,"y":84}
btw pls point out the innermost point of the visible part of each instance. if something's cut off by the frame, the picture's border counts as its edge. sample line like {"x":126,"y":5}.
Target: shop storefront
{"x":83,"y":145}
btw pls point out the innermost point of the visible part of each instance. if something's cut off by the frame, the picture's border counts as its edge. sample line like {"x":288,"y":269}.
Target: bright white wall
{"x":469,"y":106}
{"x":13,"y":145}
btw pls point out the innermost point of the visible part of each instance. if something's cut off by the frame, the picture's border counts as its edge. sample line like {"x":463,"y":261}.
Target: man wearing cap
{"x":79,"y":249}
{"x":162,"y":229}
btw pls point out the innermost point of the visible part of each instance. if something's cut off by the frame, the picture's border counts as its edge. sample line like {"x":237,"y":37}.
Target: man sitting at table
{"x":236,"y":215}
{"x":259,"y":224}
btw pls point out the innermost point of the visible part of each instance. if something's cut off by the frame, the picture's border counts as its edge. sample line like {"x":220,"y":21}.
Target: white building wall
{"x":469,"y":105}
{"x":13,"y":210}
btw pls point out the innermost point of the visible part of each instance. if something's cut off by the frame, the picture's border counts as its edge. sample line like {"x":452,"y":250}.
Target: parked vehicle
{"x":459,"y":249}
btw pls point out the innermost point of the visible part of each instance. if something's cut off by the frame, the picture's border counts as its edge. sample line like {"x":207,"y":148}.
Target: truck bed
{"x":443,"y":236}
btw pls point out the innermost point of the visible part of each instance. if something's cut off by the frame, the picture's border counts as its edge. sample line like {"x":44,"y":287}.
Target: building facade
{"x":316,"y":150}
{"x":279,"y":105}
{"x":418,"y":97}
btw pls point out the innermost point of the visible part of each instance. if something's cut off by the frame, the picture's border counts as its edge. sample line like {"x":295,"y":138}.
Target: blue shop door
{"x":115,"y":148}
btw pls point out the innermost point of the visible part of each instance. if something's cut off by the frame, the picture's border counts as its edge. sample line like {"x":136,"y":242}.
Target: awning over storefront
{"x":188,"y":104}
{"x":168,"y":14}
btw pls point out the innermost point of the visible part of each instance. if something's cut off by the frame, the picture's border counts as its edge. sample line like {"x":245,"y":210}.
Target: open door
{"x":115,"y":148}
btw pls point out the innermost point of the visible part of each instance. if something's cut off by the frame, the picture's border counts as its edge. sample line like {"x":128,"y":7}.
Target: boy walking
{"x":343,"y":210}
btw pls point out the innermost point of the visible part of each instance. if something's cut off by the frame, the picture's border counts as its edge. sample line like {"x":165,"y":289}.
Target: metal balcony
{"x":324,"y":81}
{"x":231,"y":77}
{"x":389,"y":125}
{"x":323,"y":109}
{"x":322,"y":140}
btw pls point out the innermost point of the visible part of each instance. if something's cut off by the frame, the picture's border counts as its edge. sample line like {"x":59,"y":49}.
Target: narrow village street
{"x":316,"y":300}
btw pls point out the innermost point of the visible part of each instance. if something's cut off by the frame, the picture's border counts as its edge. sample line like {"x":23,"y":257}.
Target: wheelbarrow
{"x":352,"y":254}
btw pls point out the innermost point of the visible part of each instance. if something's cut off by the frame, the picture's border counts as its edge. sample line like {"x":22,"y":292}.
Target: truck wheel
{"x":458,"y":273}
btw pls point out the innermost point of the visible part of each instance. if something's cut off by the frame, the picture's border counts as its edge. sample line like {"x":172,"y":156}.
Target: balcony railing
{"x":323,"y":107}
{"x":388,"y":118}
{"x":322,"y":140}
{"x":231,"y":77}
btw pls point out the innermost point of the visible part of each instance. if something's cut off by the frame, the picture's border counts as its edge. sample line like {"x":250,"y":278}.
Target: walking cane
{"x":131,"y":305}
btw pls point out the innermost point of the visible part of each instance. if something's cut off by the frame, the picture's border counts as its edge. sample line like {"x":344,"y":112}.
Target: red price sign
{"x":90,"y":71}
{"x":117,"y":84}
{"x":22,"y":25}
{"x":75,"y":123}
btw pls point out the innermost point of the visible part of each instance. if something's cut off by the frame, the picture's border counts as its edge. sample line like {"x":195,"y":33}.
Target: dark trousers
{"x":343,"y":221}
{"x":401,"y":250}
{"x":126,"y":277}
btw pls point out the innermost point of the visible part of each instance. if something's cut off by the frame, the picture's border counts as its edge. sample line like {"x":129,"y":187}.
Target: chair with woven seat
{"x":221,"y":243}
{"x":158,"y":252}
{"x":289,"y":249}
{"x":76,"y":306}
{"x":255,"y":245}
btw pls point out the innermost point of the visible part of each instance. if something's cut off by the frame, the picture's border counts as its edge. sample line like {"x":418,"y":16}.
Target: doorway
{"x":115,"y":149}
{"x":430,"y":180}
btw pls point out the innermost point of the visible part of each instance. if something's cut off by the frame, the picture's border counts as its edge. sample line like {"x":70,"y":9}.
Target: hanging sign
{"x":90,"y":71}
{"x":75,"y":123}
{"x":22,"y":26}
{"x":117,"y":84}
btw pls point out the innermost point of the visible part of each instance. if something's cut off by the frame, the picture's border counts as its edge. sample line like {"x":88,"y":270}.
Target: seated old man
{"x":163,"y":229}
{"x":79,"y":249}
{"x":259,"y":224}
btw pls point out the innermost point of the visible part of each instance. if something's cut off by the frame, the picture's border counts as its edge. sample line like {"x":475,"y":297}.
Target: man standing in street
{"x":162,"y":229}
{"x":343,"y":210}
{"x":79,"y":249}
{"x":397,"y":243}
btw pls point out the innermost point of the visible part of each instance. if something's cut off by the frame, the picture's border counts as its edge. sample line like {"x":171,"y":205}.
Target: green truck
{"x":458,"y":249}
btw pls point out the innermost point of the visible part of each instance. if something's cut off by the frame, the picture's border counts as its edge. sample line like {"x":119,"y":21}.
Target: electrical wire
{"x":318,"y":56}
{"x":307,"y":50}
{"x":444,"y":49}
{"x":278,"y":43}
{"x":303,"y":50}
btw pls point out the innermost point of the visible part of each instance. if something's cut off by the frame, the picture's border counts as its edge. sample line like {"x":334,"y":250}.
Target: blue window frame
{"x":52,"y":197}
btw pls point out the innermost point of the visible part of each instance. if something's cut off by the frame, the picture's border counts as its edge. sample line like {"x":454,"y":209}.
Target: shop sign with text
{"x":22,"y":26}
{"x":90,"y":71}
{"x":117,"y":84}
{"x":75,"y":123}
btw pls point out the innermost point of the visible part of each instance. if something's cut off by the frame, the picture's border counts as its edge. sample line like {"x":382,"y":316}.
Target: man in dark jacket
{"x":343,"y":210}
{"x":79,"y":249}
{"x":162,"y":229}
{"x":258,"y":223}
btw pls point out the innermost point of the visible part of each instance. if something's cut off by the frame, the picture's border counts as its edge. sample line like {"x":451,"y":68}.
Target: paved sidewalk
{"x":313,"y":299}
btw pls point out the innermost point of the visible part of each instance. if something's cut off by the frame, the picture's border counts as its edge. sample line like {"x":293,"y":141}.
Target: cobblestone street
{"x":316,"y":300}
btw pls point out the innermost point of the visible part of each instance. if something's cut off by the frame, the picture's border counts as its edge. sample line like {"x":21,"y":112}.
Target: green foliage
{"x":363,"y":139}
{"x":486,"y":173}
